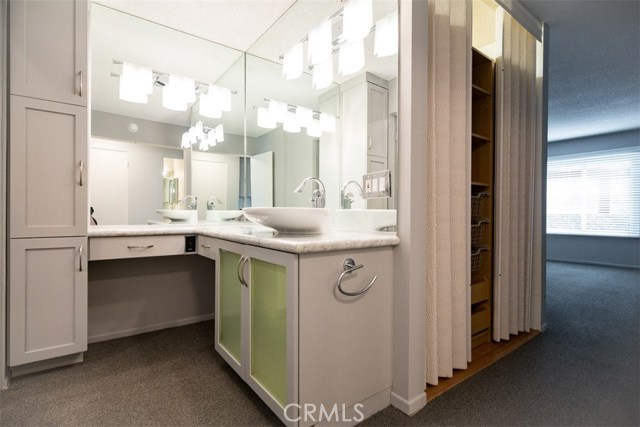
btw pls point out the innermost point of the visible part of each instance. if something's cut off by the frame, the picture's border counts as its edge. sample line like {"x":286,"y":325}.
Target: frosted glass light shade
{"x":319,"y":46}
{"x":292,"y":63}
{"x":304,"y":115}
{"x":265,"y":119}
{"x":278,"y":110}
{"x":327,"y":122}
{"x":204,"y":143}
{"x":357,"y":19}
{"x":136,"y":83}
{"x":208,"y":108}
{"x":386,"y":39}
{"x":178,"y":92}
{"x":351,"y":57}
{"x":220,"y":97}
{"x":185,"y":140}
{"x":290,"y":124}
{"x":314,"y":128}
{"x":322,"y":74}
{"x":219,"y":133}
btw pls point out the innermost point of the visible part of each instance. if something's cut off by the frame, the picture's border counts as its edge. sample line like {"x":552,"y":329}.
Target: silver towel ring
{"x":350,"y":266}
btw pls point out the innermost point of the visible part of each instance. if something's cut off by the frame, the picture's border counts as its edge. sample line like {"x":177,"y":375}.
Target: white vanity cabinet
{"x":256,"y":319}
{"x":47,"y":298}
{"x":49,"y":50}
{"x":284,"y":326}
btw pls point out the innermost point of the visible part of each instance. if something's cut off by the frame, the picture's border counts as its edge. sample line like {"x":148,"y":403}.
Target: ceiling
{"x":594,"y":65}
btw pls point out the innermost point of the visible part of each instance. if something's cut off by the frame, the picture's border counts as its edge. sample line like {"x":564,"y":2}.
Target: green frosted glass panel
{"x":269,"y":327}
{"x":230,"y":303}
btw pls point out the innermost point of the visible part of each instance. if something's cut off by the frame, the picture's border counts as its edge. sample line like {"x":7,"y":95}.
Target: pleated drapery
{"x":515,"y":162}
{"x":448,"y":195}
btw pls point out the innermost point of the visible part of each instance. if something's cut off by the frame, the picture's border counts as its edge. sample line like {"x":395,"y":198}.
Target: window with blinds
{"x":595,"y":193}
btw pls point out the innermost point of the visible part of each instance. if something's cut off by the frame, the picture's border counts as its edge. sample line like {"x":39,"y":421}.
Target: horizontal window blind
{"x":595,"y":193}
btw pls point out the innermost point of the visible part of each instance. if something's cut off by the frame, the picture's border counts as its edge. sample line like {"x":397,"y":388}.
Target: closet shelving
{"x":482,"y":149}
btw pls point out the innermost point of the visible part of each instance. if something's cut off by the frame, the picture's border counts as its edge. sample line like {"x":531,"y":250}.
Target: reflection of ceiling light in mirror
{"x":323,"y":74}
{"x":220,"y":96}
{"x":319,"y":47}
{"x":208,"y":108}
{"x":265,"y":119}
{"x":304,"y":115}
{"x":386,"y":38}
{"x":327,"y":122}
{"x":204,"y":143}
{"x":351,"y":57}
{"x":219,"y":133}
{"x":290,"y":124}
{"x":199,"y":129}
{"x":178,"y":92}
{"x":314,"y":128}
{"x":185,"y":140}
{"x":136,"y":83}
{"x":278,"y":110}
{"x":357,"y":19}
{"x":292,"y":63}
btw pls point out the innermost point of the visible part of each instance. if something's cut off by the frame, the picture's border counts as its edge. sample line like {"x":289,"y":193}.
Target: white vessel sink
{"x":179,"y":215}
{"x":365,"y":219}
{"x":222,"y":215}
{"x":291,"y":220}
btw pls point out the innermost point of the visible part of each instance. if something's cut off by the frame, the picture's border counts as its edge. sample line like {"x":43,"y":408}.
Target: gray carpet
{"x":584,"y":370}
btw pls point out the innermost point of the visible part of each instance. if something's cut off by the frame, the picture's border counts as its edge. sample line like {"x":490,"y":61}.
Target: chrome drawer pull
{"x":205,"y":246}
{"x":80,"y":264}
{"x":139,"y":247}
{"x":81,"y":172}
{"x":81,"y":83}
{"x":350,"y":266}
{"x":241,"y":264}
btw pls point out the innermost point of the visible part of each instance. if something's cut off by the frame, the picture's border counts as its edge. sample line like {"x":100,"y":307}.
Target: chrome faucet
{"x":192,"y":205}
{"x":317,"y":197}
{"x":211,"y":202}
{"x":346,"y":199}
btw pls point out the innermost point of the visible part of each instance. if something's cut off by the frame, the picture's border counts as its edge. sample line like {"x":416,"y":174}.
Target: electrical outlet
{"x":377,"y":185}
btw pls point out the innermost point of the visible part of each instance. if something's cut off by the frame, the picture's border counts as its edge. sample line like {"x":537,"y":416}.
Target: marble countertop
{"x":257,"y":235}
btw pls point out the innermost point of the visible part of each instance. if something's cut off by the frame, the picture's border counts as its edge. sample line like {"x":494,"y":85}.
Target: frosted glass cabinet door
{"x":49,"y":50}
{"x":47,"y":298}
{"x":229,"y":303}
{"x":47,"y":168}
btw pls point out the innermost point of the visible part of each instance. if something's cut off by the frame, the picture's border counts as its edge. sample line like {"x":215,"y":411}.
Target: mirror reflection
{"x":336,"y":123}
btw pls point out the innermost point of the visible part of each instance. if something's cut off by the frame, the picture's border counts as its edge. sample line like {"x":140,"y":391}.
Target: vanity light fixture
{"x":292,"y":62}
{"x":178,"y":92}
{"x":320,"y":46}
{"x":322,"y":74}
{"x":208,"y":107}
{"x":304,"y":116}
{"x":386,"y":37}
{"x":327,"y":122}
{"x":290,"y":124}
{"x":135,"y":83}
{"x":265,"y":119}
{"x":204,"y":135}
{"x":219,"y":133}
{"x":295,"y":117}
{"x":278,"y":110}
{"x":357,"y":20}
{"x":314,"y":128}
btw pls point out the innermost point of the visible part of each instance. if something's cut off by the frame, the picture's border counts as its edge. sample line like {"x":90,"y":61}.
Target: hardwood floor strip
{"x":481,"y":357}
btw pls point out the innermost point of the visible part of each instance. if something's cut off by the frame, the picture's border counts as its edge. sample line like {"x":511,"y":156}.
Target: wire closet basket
{"x":477,"y":204}
{"x":476,"y":258}
{"x":477,"y":228}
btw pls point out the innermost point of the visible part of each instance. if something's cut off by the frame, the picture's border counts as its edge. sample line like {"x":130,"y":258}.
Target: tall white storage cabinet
{"x":48,"y":119}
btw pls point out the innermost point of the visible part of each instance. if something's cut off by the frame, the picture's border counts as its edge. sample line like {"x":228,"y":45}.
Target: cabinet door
{"x":377,"y":120}
{"x":272,"y":359}
{"x":345,"y":341}
{"x":48,"y":157}
{"x":47,"y":298}
{"x":230,"y":301}
{"x":48,"y":50}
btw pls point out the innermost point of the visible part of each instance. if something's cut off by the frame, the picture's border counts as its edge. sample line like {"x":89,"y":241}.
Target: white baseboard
{"x":149,"y":328}
{"x":409,"y":407}
{"x":44,"y":365}
{"x":602,"y":264}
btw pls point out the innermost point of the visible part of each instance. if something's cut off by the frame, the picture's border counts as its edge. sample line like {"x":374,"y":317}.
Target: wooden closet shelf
{"x":480,"y":184}
{"x":477,"y":138}
{"x":479,"y":92}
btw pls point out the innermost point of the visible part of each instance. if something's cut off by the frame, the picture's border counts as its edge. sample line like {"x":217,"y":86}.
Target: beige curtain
{"x":515,"y":161}
{"x":448,"y":195}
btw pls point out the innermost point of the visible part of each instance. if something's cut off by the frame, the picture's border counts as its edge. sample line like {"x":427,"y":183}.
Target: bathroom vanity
{"x":302,"y":319}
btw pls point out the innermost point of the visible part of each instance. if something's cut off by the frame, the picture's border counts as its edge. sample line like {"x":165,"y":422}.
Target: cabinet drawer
{"x":206,"y":247}
{"x":134,"y":247}
{"x":480,"y":291}
{"x":480,"y":318}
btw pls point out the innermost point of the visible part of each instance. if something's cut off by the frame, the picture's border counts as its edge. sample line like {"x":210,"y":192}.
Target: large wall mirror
{"x":335,"y":127}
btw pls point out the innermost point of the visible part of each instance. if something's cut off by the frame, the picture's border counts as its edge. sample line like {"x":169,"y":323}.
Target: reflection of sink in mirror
{"x":222,"y":215}
{"x":291,"y":220}
{"x":365,"y":219}
{"x":179,"y":215}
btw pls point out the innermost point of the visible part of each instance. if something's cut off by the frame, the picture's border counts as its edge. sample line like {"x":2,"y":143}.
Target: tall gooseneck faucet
{"x":192,"y":205}
{"x":346,"y":199}
{"x":317,"y":197}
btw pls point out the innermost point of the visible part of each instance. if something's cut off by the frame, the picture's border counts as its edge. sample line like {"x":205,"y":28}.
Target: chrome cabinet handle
{"x":241,"y":264}
{"x":350,"y":266}
{"x":370,"y":144}
{"x":205,"y":246}
{"x":81,"y":173}
{"x":81,"y":83}
{"x":139,"y":246}
{"x":80,"y":257}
